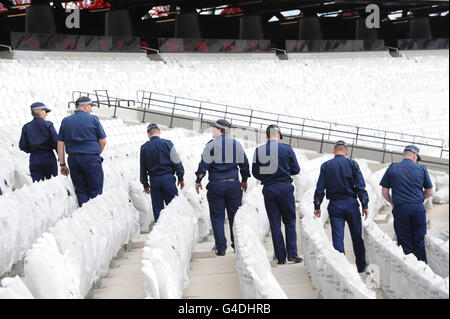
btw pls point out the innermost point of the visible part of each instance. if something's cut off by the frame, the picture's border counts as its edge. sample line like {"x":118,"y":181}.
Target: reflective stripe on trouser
{"x":43,"y":166}
{"x":162,"y":190}
{"x":86,"y":173}
{"x":347,"y":210}
{"x":410,"y":225}
{"x":280,"y":206}
{"x":221,"y":196}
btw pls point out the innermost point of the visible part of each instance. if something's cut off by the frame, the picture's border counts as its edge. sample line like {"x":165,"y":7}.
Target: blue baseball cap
{"x":84,"y":100}
{"x":414,"y":149}
{"x":341,"y":142}
{"x":223,"y":124}
{"x":152,"y":126}
{"x":39,"y":106}
{"x":275,"y":128}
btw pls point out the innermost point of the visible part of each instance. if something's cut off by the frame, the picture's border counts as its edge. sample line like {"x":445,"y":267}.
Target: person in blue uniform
{"x":81,"y":135}
{"x":160,"y":161}
{"x":343,"y":181}
{"x":223,"y":158}
{"x":411,"y":185}
{"x":39,"y":139}
{"x":273,"y":164}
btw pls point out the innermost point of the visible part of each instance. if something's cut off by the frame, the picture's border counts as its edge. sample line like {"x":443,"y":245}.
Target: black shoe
{"x":295,"y":259}
{"x":281,"y":262}
{"x":220,"y":253}
{"x":363,"y":271}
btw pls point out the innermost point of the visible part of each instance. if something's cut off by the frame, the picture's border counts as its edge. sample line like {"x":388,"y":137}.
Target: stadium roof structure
{"x":265,"y":7}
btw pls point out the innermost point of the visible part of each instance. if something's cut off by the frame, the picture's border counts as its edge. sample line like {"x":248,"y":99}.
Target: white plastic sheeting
{"x":401,"y":276}
{"x":14,"y":288}
{"x":168,"y":249}
{"x":251,"y":226}
{"x":441,"y":195}
{"x":143,"y":205}
{"x":437,"y":254}
{"x":330,"y":270}
{"x":28,"y":212}
{"x":65,"y":262}
{"x":250,"y":82}
{"x":49,"y":273}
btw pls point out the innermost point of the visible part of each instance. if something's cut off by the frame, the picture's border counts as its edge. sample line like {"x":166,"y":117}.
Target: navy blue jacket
{"x":407,"y":180}
{"x":80,"y":133}
{"x":221,"y":157}
{"x":38,"y":136}
{"x":342,"y":179}
{"x":274,"y":163}
{"x":159,"y":157}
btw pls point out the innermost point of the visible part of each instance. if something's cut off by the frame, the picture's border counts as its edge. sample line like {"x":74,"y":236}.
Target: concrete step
{"x":382,"y":218}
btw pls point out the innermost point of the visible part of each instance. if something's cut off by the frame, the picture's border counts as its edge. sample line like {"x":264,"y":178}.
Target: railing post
{"x":384,"y":151}
{"x":107,"y":98}
{"x":251,"y":117}
{"x":149,"y":100}
{"x":143,"y":116}
{"x":96,"y":94}
{"x":329,"y":131}
{"x":357,"y":135}
{"x":200,"y":108}
{"x":278,"y":118}
{"x":303,"y":126}
{"x":226,"y":111}
{"x":173,"y":111}
{"x":290,"y":138}
{"x":260,"y":131}
{"x":115,"y":108}
{"x":353,"y":146}
{"x":321,"y":144}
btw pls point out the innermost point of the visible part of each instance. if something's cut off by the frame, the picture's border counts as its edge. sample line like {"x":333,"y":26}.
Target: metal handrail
{"x":281,"y":50}
{"x":6,"y":46}
{"x":293,"y":117}
{"x":150,"y":49}
{"x":392,"y":48}
{"x":175,"y":106}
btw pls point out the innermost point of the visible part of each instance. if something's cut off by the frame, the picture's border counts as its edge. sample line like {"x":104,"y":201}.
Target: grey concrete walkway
{"x":210,"y":276}
{"x":293,"y":278}
{"x":216,"y":277}
{"x":125,"y":281}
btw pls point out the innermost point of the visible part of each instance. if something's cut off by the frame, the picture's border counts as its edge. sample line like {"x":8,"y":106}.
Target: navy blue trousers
{"x":347,"y":210}
{"x":43,"y":166}
{"x":86,"y":173}
{"x":221,"y":196}
{"x":410,"y":225}
{"x":162,"y":190}
{"x":280,"y":206}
